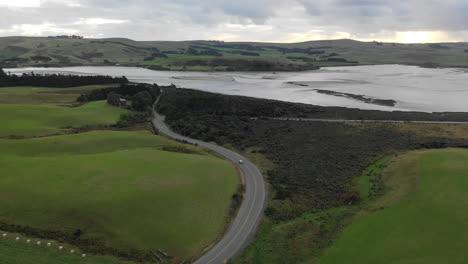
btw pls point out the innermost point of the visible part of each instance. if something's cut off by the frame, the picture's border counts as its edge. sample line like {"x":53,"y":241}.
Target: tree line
{"x":56,"y":80}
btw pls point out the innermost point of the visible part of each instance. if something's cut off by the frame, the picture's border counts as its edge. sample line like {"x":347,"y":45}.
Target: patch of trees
{"x":244,"y":53}
{"x":114,"y":99}
{"x":308,"y":51}
{"x":158,"y":68}
{"x":198,"y":101}
{"x":155,"y":55}
{"x":90,"y":55}
{"x":141,"y":95}
{"x":248,"y":65}
{"x":316,"y":162}
{"x":341,"y":60}
{"x":240,"y":46}
{"x":170,"y":52}
{"x":205,"y":52}
{"x":67,"y":37}
{"x":301,"y":58}
{"x":57,"y":80}
{"x":438,"y":46}
{"x":40,"y":58}
{"x":132,"y":118}
{"x":378,"y":43}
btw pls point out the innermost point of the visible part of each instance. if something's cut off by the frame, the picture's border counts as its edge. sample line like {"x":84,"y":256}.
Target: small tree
{"x":2,"y":74}
{"x":123,"y":120}
{"x":142,"y":100}
{"x":113,"y":99}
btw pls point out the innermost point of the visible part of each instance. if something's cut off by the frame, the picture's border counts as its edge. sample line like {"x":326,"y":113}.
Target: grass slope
{"x":120,"y":188}
{"x":40,"y":120}
{"x":421,"y":218}
{"x":20,"y":51}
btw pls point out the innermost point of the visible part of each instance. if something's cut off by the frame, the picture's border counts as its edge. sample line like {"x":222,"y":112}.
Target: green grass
{"x":12,"y":252}
{"x":40,"y":120}
{"x":421,"y":218}
{"x":43,"y":95}
{"x":119,"y":188}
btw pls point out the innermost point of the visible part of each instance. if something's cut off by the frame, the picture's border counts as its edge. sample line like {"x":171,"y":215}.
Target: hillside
{"x":222,"y":56}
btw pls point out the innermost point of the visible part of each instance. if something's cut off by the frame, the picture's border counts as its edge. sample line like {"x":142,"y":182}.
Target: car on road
{"x":241,"y":162}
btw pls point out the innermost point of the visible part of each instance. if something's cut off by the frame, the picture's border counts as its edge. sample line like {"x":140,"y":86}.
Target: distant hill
{"x":224,"y":56}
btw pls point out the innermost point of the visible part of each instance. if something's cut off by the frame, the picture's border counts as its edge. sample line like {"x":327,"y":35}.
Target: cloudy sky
{"x":405,"y":21}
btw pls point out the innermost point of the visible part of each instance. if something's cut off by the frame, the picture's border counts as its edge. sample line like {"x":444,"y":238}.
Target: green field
{"x":43,"y":95}
{"x":421,"y":218}
{"x":120,"y":188}
{"x":41,"y":120}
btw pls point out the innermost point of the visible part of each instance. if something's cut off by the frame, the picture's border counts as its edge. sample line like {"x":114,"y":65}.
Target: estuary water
{"x":409,"y":88}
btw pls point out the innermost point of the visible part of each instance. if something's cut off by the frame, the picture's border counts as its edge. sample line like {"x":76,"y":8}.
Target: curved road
{"x":244,"y":226}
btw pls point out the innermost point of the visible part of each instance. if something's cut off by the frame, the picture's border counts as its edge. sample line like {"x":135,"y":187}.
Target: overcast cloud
{"x":240,"y":20}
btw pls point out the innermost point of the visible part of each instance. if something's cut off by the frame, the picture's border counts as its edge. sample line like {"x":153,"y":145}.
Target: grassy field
{"x":12,"y":252}
{"x":19,"y":51}
{"x":420,"y":219}
{"x":119,"y":188}
{"x":43,"y":95}
{"x":41,"y":120}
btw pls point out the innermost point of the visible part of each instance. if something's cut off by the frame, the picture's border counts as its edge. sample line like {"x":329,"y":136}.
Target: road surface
{"x":245,"y":225}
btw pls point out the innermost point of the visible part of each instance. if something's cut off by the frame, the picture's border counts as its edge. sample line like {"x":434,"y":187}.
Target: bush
{"x":123,"y":120}
{"x":142,"y":101}
{"x":113,"y":99}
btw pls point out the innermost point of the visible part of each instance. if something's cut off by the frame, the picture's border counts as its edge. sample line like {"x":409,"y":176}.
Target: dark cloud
{"x":265,"y":20}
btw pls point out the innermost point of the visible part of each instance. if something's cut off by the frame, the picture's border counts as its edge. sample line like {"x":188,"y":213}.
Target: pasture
{"x":29,"y":120}
{"x":121,"y":189}
{"x":421,"y":218}
{"x":44,"y":95}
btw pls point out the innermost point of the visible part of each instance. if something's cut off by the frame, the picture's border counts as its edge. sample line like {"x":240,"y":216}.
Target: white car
{"x":241,"y":162}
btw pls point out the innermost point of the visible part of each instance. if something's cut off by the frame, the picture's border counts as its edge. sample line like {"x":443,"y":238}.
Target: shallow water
{"x":413,"y":88}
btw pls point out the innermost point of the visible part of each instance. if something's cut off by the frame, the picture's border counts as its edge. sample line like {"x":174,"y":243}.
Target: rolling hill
{"x":222,"y":56}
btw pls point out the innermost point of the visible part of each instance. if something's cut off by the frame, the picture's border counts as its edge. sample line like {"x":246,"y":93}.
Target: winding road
{"x":245,"y":225}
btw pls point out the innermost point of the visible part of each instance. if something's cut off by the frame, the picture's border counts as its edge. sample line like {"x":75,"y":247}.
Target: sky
{"x":405,"y":21}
